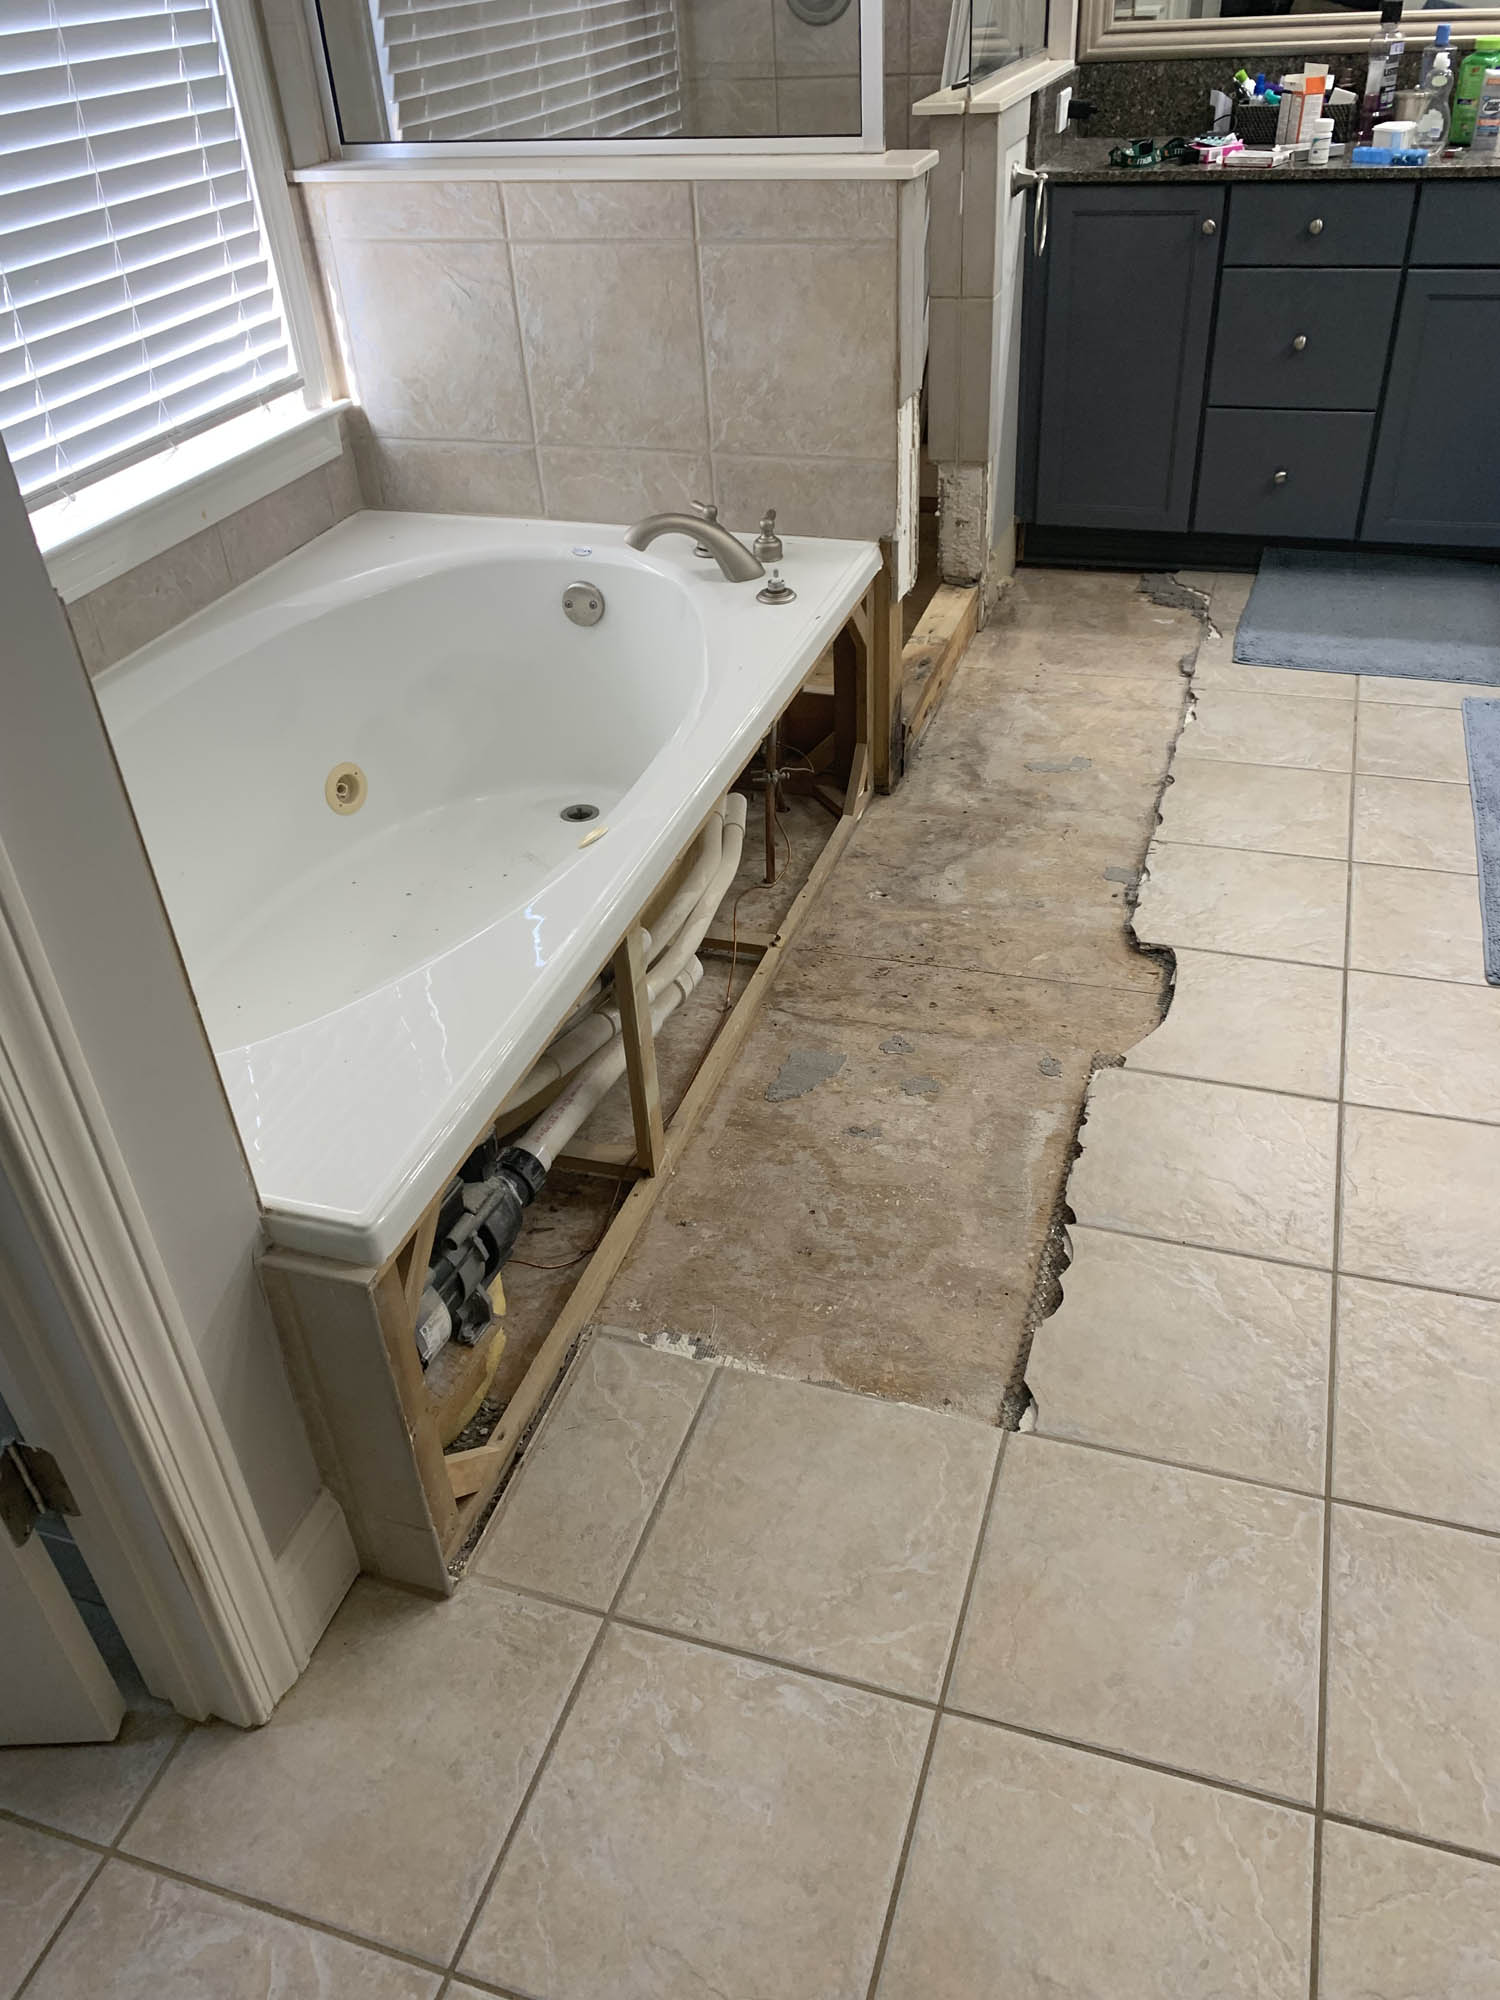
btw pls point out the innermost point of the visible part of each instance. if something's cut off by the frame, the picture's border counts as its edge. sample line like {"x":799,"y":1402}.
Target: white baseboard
{"x":315,"y":1570}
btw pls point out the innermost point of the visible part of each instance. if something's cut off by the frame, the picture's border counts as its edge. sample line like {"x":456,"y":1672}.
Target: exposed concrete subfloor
{"x":760,"y":1690}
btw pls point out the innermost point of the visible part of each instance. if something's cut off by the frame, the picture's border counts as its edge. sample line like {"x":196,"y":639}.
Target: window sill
{"x":997,"y":93}
{"x":394,"y":163}
{"x":122,"y":521}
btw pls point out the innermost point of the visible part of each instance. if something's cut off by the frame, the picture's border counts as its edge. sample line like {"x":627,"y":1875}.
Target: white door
{"x":54,"y":1685}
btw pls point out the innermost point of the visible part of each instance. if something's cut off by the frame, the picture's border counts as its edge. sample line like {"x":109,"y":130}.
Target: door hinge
{"x":31,"y":1484}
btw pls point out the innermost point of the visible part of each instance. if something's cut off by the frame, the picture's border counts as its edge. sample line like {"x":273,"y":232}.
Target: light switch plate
{"x":1064,"y":99}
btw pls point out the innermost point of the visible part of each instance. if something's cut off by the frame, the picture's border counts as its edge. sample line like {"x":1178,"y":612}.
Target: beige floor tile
{"x":1212,"y":803}
{"x":140,"y":1936}
{"x":1418,"y":1405}
{"x":828,"y":1530}
{"x":1207,"y":1164}
{"x":1416,"y":921}
{"x":1217,"y":668}
{"x":1188,"y":1355}
{"x":1270,"y":729}
{"x":39,"y":1878}
{"x":1418,"y":694}
{"x":1424,"y":1045}
{"x":862,"y":1206}
{"x":1414,"y":1633}
{"x":371,"y":1800}
{"x":1412,"y":743}
{"x":1420,"y":1201}
{"x":570,"y":1522}
{"x":1252,"y":1021}
{"x":1412,"y":823}
{"x":706,"y":1825}
{"x":1261,"y":905}
{"x":1136,"y":1607}
{"x":1401,"y":1922}
{"x":1040,"y":1871}
{"x":89,"y":1788}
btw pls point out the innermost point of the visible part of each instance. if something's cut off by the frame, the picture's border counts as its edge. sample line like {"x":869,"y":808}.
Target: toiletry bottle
{"x":1387,"y":46}
{"x":1437,"y":108}
{"x":1440,"y":41}
{"x":1470,"y":85}
{"x":1486,"y":140}
{"x":1322,"y":142}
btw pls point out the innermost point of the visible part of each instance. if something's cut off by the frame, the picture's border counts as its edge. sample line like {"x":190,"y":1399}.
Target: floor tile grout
{"x":1135,"y":1068}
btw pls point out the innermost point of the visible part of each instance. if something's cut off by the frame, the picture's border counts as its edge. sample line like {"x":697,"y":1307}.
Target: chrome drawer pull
{"x":1209,"y":226}
{"x":1299,"y":343}
{"x":1315,"y":227}
{"x":1278,"y":479}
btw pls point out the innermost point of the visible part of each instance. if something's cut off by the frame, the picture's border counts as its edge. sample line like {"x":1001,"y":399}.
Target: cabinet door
{"x":1129,"y":278}
{"x":1436,"y":476}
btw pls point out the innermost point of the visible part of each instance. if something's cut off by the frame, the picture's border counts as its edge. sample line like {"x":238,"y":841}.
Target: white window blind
{"x":137,"y":298}
{"x":529,"y":69}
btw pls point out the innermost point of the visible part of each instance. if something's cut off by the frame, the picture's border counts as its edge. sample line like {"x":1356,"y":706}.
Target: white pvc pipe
{"x":704,"y":868}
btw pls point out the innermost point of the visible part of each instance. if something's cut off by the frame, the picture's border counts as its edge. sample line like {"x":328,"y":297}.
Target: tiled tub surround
{"x":140,"y":605}
{"x":601,"y":350}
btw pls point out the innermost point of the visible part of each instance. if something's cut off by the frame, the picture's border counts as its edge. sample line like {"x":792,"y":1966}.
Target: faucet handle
{"x":768,"y":543}
{"x":706,"y":511}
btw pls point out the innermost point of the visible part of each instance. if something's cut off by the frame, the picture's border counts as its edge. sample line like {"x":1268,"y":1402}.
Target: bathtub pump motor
{"x":477,"y":1229}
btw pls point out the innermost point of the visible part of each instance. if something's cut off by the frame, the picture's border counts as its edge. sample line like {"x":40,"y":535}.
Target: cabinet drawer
{"x":1306,"y":340}
{"x":1323,"y":457}
{"x":1458,"y":224}
{"x":1308,"y":223}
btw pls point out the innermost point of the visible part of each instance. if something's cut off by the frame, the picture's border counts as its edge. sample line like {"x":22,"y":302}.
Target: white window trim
{"x":132,"y":515}
{"x":870,"y":139}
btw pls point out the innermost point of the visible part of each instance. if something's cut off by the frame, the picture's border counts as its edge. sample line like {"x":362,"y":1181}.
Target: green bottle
{"x":1470,"y":87}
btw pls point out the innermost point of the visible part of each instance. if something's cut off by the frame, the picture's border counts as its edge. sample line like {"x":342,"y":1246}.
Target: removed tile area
{"x":1167,"y":1614}
{"x":681,"y":1834}
{"x":1188,"y":1355}
{"x":830,"y":1531}
{"x":1038,"y":1869}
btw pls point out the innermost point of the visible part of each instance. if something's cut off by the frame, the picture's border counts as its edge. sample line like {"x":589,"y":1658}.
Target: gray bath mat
{"x":1415,"y":617}
{"x":1482,"y":734}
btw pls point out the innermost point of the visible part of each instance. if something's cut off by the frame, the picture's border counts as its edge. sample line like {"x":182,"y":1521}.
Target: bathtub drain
{"x":579,"y":812}
{"x":345,"y":788}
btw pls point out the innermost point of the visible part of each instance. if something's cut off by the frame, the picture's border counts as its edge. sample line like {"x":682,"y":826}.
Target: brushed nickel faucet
{"x":733,"y":558}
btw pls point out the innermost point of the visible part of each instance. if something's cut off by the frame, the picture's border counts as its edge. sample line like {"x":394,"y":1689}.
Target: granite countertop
{"x":1081,"y":159}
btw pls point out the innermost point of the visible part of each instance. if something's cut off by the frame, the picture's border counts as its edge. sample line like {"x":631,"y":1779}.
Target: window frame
{"x":431,"y":152}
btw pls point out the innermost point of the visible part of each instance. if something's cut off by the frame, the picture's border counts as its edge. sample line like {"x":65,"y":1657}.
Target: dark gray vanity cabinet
{"x":1124,"y":332}
{"x":1308,"y":360}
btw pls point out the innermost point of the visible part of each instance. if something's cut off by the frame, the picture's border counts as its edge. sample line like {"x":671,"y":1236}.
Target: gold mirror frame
{"x":1103,"y":39}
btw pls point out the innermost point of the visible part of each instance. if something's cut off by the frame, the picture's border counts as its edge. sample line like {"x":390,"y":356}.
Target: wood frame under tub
{"x":376,"y":1420}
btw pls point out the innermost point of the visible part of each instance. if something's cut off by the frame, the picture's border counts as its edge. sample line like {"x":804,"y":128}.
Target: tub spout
{"x":733,"y":558}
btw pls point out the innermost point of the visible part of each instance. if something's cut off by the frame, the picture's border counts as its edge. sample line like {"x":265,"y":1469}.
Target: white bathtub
{"x":374,"y":982}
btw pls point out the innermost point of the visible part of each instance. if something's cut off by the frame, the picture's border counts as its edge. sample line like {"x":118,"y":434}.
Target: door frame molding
{"x":217,"y":1625}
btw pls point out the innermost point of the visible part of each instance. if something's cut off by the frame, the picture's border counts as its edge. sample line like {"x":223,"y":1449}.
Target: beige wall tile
{"x":584,"y":483}
{"x":942,"y":378}
{"x":1036,"y":1869}
{"x":828,"y":1530}
{"x":821,"y":105}
{"x":801,"y":343}
{"x":137,"y":1934}
{"x":796,"y":211}
{"x":39,"y":1877}
{"x":612,"y":343}
{"x":1188,"y":1355}
{"x":345,"y":1806}
{"x":944,"y":186}
{"x":268,"y":529}
{"x":701,"y":1815}
{"x":86,"y":635}
{"x":804,"y":50}
{"x":852,"y":499}
{"x":1400,"y":1919}
{"x":897,"y":111}
{"x":432,"y":328}
{"x":977,"y":226}
{"x":457,"y":478}
{"x":897,"y":37}
{"x":929,"y":37}
{"x":729,"y":38}
{"x":395,"y":208}
{"x":1413,"y":1635}
{"x":612,"y":211}
{"x":341,"y":478}
{"x":1418,"y":1406}
{"x":146,"y":601}
{"x":731,"y":107}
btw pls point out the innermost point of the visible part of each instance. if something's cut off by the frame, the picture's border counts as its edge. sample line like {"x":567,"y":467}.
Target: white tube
{"x":598,"y":1076}
{"x":669,"y":921}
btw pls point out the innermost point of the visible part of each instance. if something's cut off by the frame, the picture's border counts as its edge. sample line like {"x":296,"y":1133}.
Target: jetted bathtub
{"x":375,"y":979}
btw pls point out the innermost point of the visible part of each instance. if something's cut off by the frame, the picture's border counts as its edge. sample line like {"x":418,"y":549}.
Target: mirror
{"x":529,"y":71}
{"x":1110,"y":29}
{"x":1239,"y":10}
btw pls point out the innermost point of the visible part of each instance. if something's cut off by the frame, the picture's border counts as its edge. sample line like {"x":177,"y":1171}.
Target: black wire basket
{"x":1256,"y":123}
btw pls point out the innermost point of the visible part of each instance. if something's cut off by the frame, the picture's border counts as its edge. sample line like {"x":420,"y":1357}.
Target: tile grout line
{"x":898,"y":1881}
{"x":1305,"y":1096}
{"x":571,"y":1702}
{"x":1320,"y":1796}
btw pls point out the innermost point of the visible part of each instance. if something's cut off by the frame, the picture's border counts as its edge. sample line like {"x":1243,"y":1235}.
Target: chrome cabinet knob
{"x":1315,"y":227}
{"x":1278,"y":479}
{"x":1299,"y":343}
{"x":1209,"y":226}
